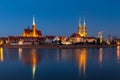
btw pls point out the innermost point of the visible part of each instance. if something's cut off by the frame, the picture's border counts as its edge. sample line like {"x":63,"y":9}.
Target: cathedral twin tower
{"x":82,"y":29}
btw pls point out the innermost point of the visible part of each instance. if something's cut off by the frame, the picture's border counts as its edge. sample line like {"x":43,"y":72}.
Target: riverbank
{"x":61,"y":46}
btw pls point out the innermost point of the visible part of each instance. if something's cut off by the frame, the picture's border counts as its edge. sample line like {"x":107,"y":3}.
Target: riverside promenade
{"x":62,"y":46}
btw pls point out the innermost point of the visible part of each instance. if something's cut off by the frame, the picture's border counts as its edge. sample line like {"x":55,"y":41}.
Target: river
{"x":60,"y":64}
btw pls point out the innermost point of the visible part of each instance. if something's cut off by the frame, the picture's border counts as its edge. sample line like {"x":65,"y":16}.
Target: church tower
{"x":34,"y":27}
{"x":32,"y":32}
{"x":80,"y":28}
{"x":84,"y":29}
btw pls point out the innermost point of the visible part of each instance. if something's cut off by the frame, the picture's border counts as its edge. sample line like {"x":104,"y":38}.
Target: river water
{"x":60,"y":64}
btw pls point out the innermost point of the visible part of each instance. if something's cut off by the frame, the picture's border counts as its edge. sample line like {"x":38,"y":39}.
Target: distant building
{"x":81,"y":33}
{"x":75,"y":37}
{"x":82,"y":30}
{"x":32,"y":32}
{"x":63,"y":38}
{"x":55,"y":39}
{"x":19,"y":40}
{"x":90,"y":40}
{"x":49,"y":39}
{"x":100,"y":37}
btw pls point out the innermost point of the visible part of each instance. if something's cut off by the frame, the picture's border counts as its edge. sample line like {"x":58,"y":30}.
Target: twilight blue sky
{"x":60,"y":17}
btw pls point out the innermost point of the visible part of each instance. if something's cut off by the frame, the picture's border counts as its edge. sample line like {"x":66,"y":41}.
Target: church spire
{"x":33,"y":20}
{"x":84,"y":22}
{"x":80,"y":27}
{"x":84,"y":29}
{"x":80,"y":22}
{"x":34,"y":27}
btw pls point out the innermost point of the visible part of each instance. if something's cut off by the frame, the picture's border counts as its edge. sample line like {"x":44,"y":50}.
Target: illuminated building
{"x":82,"y":30}
{"x":118,"y":42}
{"x":75,"y":38}
{"x":32,"y":32}
{"x":100,"y":37}
{"x":90,"y":39}
{"x":1,"y":42}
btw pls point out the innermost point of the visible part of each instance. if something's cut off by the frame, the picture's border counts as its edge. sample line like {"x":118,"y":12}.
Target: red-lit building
{"x":32,"y":32}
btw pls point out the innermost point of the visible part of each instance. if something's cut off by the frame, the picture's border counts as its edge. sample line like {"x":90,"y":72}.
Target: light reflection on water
{"x":1,"y":55}
{"x":20,"y":53}
{"x":82,"y":60}
{"x":100,"y":55}
{"x":118,"y":53}
{"x":59,"y":64}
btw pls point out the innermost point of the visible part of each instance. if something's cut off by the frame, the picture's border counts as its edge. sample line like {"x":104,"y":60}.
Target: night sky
{"x":60,"y":17}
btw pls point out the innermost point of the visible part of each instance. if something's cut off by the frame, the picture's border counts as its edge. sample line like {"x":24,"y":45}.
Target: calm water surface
{"x":60,"y":64}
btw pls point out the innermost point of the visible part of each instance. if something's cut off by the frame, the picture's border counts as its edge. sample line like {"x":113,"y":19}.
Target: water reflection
{"x":20,"y":53}
{"x":81,"y":55}
{"x":118,"y":54}
{"x":82,"y":58}
{"x":100,"y":55}
{"x":64,"y":55}
{"x":34,"y":61}
{"x":31,"y":58}
{"x":1,"y":55}
{"x":61,"y":62}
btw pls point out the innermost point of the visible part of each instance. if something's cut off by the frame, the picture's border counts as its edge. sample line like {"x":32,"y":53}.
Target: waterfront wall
{"x":59,"y":46}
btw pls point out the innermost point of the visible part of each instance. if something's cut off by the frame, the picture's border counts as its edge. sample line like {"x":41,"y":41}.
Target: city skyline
{"x":59,"y":17}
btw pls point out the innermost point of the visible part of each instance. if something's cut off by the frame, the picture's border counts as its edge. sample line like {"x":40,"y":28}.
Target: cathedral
{"x":32,"y":32}
{"x":82,"y":30}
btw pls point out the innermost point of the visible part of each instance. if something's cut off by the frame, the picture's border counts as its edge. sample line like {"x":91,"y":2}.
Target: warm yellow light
{"x":118,"y":47}
{"x":100,"y":55}
{"x":34,"y":62}
{"x":20,"y":53}
{"x":82,"y":59}
{"x":33,"y":70}
{"x":118,"y":42}
{"x":118,"y":53}
{"x":1,"y":55}
{"x":1,"y":42}
{"x":81,"y":34}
